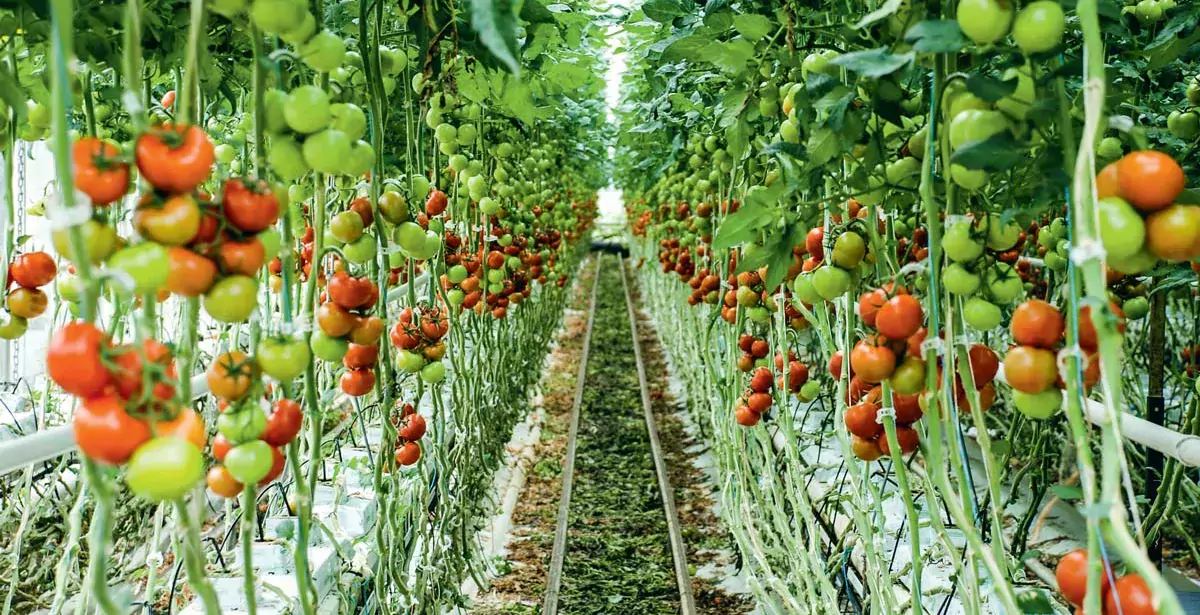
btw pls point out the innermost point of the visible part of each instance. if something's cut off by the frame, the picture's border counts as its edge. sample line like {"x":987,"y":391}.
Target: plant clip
{"x":886,"y":411}
{"x":154,"y":559}
{"x":1087,"y":250}
{"x":934,"y":344}
{"x":63,"y":217}
{"x":1065,"y":355}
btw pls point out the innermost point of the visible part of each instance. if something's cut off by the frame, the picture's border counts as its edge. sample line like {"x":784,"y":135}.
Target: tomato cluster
{"x":129,"y":413}
{"x":1128,"y":595}
{"x":249,"y":444}
{"x":823,"y":279}
{"x":1140,"y":222}
{"x":29,"y":271}
{"x":347,"y":332}
{"x":418,"y":335}
{"x":410,"y":427}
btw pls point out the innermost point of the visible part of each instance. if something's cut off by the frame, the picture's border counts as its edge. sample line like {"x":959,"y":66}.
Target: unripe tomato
{"x":164,"y":468}
{"x":1039,"y":26}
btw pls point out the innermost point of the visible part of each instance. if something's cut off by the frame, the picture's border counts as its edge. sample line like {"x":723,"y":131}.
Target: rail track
{"x":666,"y":493}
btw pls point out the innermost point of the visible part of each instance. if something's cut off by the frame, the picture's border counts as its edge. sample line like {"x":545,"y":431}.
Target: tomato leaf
{"x":751,"y":26}
{"x":13,"y":95}
{"x":1034,"y":601}
{"x":740,"y":226}
{"x":823,"y":145}
{"x":888,"y":9}
{"x":496,"y":23}
{"x":665,"y":11}
{"x":873,"y":62}
{"x":989,"y":89}
{"x":1069,"y":493}
{"x":936,"y":36}
{"x":999,"y":152}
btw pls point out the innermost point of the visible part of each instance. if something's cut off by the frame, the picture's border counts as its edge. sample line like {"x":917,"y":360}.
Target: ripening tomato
{"x":1149,"y":180}
{"x":283,"y":358}
{"x":360,"y":356}
{"x":872,"y":363}
{"x":278,"y":460}
{"x":334,"y":320}
{"x":26,"y":302}
{"x":174,"y":221}
{"x":231,"y":375}
{"x":984,"y":364}
{"x":1108,"y":182}
{"x":222,"y":483}
{"x":1030,"y":370}
{"x":1037,"y":323}
{"x":251,"y":208}
{"x":1133,"y":594}
{"x":349,"y":292}
{"x":900,"y":317}
{"x":284,"y":423}
{"x":1071,"y":575}
{"x":241,"y":257}
{"x":367,"y":331}
{"x":105,"y":432}
{"x":357,"y":382}
{"x":32,"y":269}
{"x":129,"y":371}
{"x":408,"y":454}
{"x":745,"y":416}
{"x":1088,"y":339}
{"x":99,"y":172}
{"x":909,"y":376}
{"x":862,"y":420}
{"x":869,"y":304}
{"x":906,"y":437}
{"x":74,"y":361}
{"x":189,"y":274}
{"x":1173,"y":233}
{"x":867,"y":450}
{"x":187,"y":425}
{"x":168,"y":99}
{"x":173,"y":158}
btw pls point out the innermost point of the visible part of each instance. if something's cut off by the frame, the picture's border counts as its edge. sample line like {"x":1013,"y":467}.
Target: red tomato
{"x":284,"y":423}
{"x":105,"y":432}
{"x":73,"y":359}
{"x":175,"y":158}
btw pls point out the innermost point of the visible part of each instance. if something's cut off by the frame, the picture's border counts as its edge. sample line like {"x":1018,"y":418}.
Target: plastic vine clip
{"x":887,"y":411}
{"x":934,"y":344}
{"x":1065,"y":355}
{"x":1087,"y":250}
{"x":62,"y":217}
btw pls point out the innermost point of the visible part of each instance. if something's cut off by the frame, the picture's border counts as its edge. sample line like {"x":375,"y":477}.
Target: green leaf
{"x":686,"y":47}
{"x":751,"y":26}
{"x":731,"y":57}
{"x":888,"y":9}
{"x":665,"y":11}
{"x":518,"y":98}
{"x":737,"y":139}
{"x":936,"y":36}
{"x":1034,"y":601}
{"x":13,"y":94}
{"x":873,"y":62}
{"x":999,"y":152}
{"x":473,"y":84}
{"x":731,"y":106}
{"x":496,"y":23}
{"x":533,"y":11}
{"x":784,"y":148}
{"x":989,"y":89}
{"x":1068,"y":493}
{"x":823,"y":146}
{"x":740,"y":226}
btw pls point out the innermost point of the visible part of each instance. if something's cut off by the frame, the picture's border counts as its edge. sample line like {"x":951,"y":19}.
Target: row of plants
{"x":928,"y":239}
{"x":303,"y":202}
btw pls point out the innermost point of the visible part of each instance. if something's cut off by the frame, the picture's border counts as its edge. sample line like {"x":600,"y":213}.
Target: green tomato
{"x":287,"y":158}
{"x":16,"y":326}
{"x":242,"y":422}
{"x":362,"y":250}
{"x":306,"y":109}
{"x":1110,"y":148}
{"x":1149,"y":11}
{"x":302,"y":32}
{"x":446,"y":133}
{"x":283,"y":358}
{"x":146,"y":264}
{"x":69,"y":288}
{"x":164,"y":468}
{"x":1122,"y":230}
{"x":1018,"y":103}
{"x":1002,"y":237}
{"x":433,"y":372}
{"x":1136,"y":308}
{"x":908,"y":377}
{"x":274,"y":120}
{"x":411,"y":237}
{"x":984,"y":21}
{"x":1138,"y":263}
{"x":324,"y":52}
{"x":959,"y":244}
{"x":225,"y":153}
{"x":830,"y":282}
{"x":1038,"y":406}
{"x":804,"y":290}
{"x":1184,"y":124}
{"x":250,"y":462}
{"x":347,"y":226}
{"x":455,"y":297}
{"x":98,"y":240}
{"x":360,"y":160}
{"x":760,"y":315}
{"x":968,"y":179}
{"x":1193,"y":91}
{"x":959,"y":281}
{"x":1004,"y":285}
{"x":976,"y":125}
{"x":981,"y":315}
{"x":848,"y":250}
{"x":409,"y":361}
{"x":457,"y":274}
{"x":327,"y":151}
{"x":1039,"y":27}
{"x":905,"y":172}
{"x":327,"y":348}
{"x":232,"y":299}
{"x":271,"y":241}
{"x":350,"y":119}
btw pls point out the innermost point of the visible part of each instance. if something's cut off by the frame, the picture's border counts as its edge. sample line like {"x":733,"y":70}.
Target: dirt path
{"x":617,"y":558}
